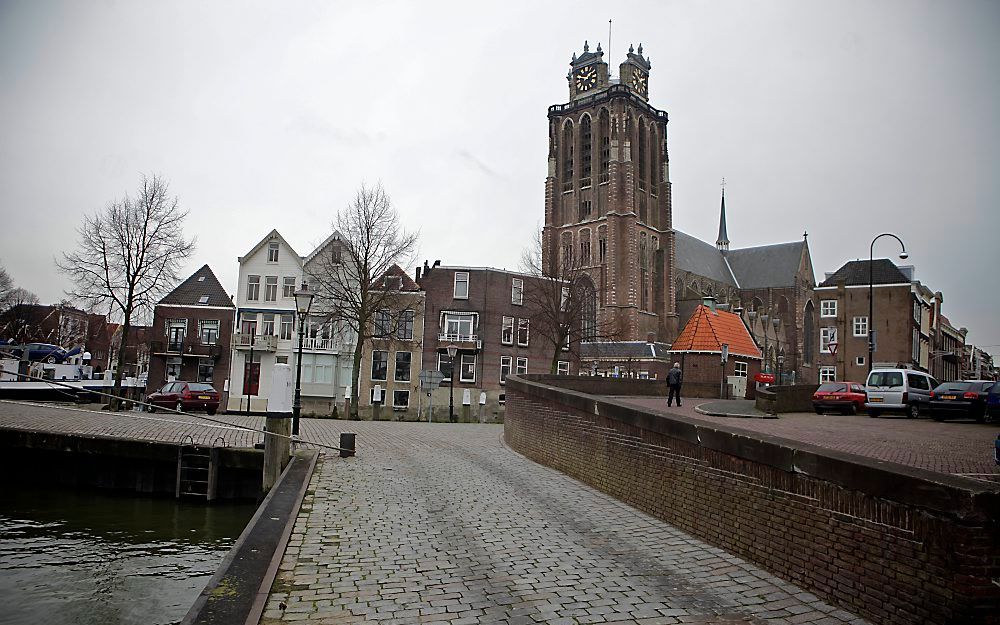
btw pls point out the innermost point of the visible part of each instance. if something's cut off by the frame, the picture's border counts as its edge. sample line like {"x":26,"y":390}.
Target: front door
{"x":175,"y":338}
{"x":251,"y":378}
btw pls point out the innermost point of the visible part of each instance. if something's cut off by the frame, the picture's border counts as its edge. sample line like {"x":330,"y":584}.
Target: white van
{"x":898,"y":391}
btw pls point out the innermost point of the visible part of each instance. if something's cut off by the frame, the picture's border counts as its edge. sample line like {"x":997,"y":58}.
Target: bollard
{"x":347,"y":444}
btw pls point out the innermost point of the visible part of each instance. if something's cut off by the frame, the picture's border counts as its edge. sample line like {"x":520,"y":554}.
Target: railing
{"x":463,"y":340}
{"x":614,"y":91}
{"x":186,"y":348}
{"x":321,"y":344}
{"x":260,"y":342}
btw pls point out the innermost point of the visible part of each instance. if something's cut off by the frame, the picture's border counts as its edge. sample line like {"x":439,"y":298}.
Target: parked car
{"x":962,"y":399}
{"x":40,"y":352}
{"x":185,"y":396}
{"x":996,"y":450}
{"x":904,"y":391}
{"x":993,"y":404}
{"x":847,"y":397}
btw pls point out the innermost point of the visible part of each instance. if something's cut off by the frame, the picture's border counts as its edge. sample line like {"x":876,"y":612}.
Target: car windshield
{"x":831,"y":387}
{"x":885,"y":378}
{"x":953,"y":387}
{"x":199,"y":388}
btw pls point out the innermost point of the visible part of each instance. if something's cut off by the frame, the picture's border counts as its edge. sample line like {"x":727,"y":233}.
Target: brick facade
{"x":894,"y":544}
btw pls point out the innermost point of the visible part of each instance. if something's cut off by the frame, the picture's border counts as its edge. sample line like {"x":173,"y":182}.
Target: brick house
{"x":483,"y":312}
{"x":189,"y":338}
{"x":699,"y":347}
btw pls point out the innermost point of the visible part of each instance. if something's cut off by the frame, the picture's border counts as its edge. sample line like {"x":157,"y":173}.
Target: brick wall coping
{"x":949,"y":495}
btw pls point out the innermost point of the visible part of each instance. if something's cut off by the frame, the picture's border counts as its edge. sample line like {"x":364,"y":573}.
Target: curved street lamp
{"x":871,"y":289}
{"x":303,"y":302}
{"x":452,"y":350}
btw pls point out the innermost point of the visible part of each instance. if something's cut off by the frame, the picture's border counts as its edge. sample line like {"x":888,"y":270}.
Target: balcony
{"x":259,"y":342}
{"x":324,"y":345}
{"x":462,"y":341}
{"x":188,"y":348}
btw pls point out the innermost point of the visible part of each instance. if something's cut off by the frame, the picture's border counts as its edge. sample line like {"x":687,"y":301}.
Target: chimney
{"x":708,"y":301}
{"x":437,"y":263}
{"x":738,"y":310}
{"x":418,"y":273}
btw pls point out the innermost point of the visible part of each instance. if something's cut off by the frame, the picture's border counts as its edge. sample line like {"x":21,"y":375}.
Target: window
{"x":267,"y":324}
{"x":860,"y":361}
{"x":459,"y":326}
{"x":401,"y":399}
{"x":564,"y":299}
{"x":827,"y":374}
{"x":176,"y":331}
{"x":517,"y":291}
{"x":916,"y":345}
{"x":917,"y":381}
{"x":461,"y":285}
{"x":272,"y":252}
{"x":826,"y":336}
{"x":586,"y":207}
{"x":505,"y":364}
{"x":861,"y":326}
{"x":281,"y":360}
{"x":586,"y":148}
{"x":602,"y":249}
{"x":288,"y":286}
{"x":507,"y":331}
{"x":335,"y":254}
{"x":208,"y":330}
{"x":562,"y":367}
{"x":522,"y":332}
{"x":467,"y":371}
{"x":317,"y":368}
{"x":271,"y":288}
{"x":402,"y":373}
{"x":253,"y":288}
{"x":522,"y":366}
{"x":405,"y":330}
{"x":383,"y":323}
{"x":828,"y":308}
{"x":173,"y":368}
{"x":286,"y":327}
{"x":203,"y":299}
{"x":380,"y":364}
{"x":740,"y":369}
{"x":444,"y":366}
{"x":206,"y":368}
{"x":248,"y":323}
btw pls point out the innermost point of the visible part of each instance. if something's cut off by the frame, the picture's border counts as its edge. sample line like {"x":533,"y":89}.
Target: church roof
{"x":766,"y":265}
{"x":615,"y":350}
{"x":201,"y":285}
{"x":703,"y":259}
{"x":855,"y":272}
{"x":707,"y":330}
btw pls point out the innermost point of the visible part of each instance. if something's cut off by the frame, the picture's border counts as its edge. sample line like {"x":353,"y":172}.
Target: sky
{"x":841,"y":119}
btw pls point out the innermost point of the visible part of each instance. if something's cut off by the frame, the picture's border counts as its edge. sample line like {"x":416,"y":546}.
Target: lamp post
{"x":781,"y":361}
{"x":452,"y":351}
{"x":777,"y":346}
{"x":303,"y":302}
{"x":871,"y":292}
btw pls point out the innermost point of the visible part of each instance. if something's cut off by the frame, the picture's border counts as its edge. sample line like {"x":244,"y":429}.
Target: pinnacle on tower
{"x":723,"y":241}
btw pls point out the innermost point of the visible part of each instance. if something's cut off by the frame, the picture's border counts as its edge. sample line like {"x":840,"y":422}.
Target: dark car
{"x":993,"y":404}
{"x":185,"y":396}
{"x":40,"y":352}
{"x":846,"y":397}
{"x":964,"y":400}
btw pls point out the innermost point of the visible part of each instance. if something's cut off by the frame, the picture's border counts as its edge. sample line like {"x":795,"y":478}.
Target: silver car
{"x":898,"y":391}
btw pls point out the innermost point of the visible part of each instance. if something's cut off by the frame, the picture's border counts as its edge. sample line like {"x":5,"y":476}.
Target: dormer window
{"x":203,"y":299}
{"x":201,"y":278}
{"x":272,"y":252}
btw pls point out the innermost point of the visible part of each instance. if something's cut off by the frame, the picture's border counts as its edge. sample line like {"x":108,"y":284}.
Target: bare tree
{"x":128,"y":255}
{"x":349,"y":279}
{"x":19,"y":319}
{"x":6,"y":286}
{"x":562,"y":303}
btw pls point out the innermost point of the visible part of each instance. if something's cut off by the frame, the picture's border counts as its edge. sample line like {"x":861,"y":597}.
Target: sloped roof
{"x":766,"y":265}
{"x":855,"y":272}
{"x":406,"y":283}
{"x":273,"y":234}
{"x":637,"y":350}
{"x":201,"y":283}
{"x":708,"y":329}
{"x":703,"y":259}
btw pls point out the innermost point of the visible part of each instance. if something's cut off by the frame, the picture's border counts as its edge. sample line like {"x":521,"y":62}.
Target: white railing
{"x":320,"y":344}
{"x":458,"y":338}
{"x":260,"y":342}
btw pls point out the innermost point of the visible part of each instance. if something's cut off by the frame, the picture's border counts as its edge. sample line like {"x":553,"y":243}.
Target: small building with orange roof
{"x":698,"y":349}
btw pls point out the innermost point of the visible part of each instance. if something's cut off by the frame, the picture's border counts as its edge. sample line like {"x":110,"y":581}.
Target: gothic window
{"x":653,"y":153}
{"x":567,"y":250}
{"x":643,"y":210}
{"x":586,"y":151}
{"x":567,"y":153}
{"x":605,"y":129}
{"x":602,"y":244}
{"x":641,"y":162}
{"x":643,"y":273}
{"x":585,"y":248}
{"x":808,"y":333}
{"x":586,"y":208}
{"x":588,"y":309}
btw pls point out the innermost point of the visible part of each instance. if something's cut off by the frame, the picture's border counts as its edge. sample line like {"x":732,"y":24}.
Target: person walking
{"x":674,"y":379}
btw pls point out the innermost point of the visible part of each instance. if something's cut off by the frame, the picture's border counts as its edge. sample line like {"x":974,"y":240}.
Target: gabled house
{"x":699,"y":348}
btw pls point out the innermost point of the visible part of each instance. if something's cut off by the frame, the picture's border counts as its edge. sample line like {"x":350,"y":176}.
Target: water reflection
{"x":82,"y":557}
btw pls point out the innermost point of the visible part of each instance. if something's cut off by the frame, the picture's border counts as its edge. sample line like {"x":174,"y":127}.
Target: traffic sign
{"x":833,"y":347}
{"x":431,"y":378}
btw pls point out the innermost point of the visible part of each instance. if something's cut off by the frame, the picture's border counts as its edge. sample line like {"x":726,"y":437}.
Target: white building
{"x":267,"y":333}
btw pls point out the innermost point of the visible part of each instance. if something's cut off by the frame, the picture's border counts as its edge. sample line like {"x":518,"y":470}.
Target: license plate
{"x":875,"y":400}
{"x":949,"y":397}
{"x":204,"y":397}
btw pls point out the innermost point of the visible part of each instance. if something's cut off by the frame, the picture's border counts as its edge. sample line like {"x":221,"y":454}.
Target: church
{"x":609,"y":216}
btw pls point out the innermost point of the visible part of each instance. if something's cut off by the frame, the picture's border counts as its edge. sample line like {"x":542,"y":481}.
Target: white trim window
{"x":288,"y":287}
{"x":272,"y":252}
{"x":271,"y":288}
{"x":827,"y":374}
{"x":380,"y":365}
{"x":522,"y":332}
{"x":253,"y":288}
{"x":522,"y":366}
{"x":444,"y":366}
{"x":267,"y":324}
{"x":467,"y":368}
{"x":562,"y":367}
{"x":517,"y":291}
{"x":507,"y":331}
{"x":402,"y":370}
{"x":285,"y":331}
{"x":208,"y":330}
{"x":461,"y":285}
{"x":505,"y":365}
{"x":860,"y":361}
{"x":401,"y":400}
{"x":740,"y":369}
{"x":826,"y":336}
{"x":828,"y":308}
{"x":860,"y":326}
{"x":458,"y":326}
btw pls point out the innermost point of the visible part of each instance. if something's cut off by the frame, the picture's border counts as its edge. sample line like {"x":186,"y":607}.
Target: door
{"x":175,"y":338}
{"x":251,"y":378}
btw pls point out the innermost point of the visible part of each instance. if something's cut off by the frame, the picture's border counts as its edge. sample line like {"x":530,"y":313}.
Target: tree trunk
{"x":116,"y":402}
{"x":355,"y":376}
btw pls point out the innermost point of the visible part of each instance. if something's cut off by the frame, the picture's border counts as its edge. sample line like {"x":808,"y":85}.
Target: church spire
{"x":723,"y":242}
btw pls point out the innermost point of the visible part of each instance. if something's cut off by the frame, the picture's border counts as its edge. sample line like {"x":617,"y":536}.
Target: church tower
{"x":607,"y":199}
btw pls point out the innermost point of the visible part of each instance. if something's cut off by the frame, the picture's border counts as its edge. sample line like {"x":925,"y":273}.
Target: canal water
{"x":88,"y":557}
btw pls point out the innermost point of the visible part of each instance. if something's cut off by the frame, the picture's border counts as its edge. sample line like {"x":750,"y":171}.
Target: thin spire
{"x":723,"y":241}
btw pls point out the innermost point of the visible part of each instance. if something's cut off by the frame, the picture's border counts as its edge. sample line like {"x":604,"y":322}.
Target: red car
{"x":185,"y":396}
{"x":846,"y":397}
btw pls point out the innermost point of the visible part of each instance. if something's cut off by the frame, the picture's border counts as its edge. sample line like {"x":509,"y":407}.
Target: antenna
{"x":610,"y":58}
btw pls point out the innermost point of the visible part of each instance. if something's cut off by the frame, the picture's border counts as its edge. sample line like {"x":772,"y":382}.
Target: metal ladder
{"x":197,"y":471}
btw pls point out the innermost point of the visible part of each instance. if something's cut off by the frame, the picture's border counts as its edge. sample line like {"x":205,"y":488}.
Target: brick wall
{"x":890,"y":543}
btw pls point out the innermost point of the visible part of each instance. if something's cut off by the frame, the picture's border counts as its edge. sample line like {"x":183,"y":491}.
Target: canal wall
{"x":148,"y":467}
{"x":892,"y":543}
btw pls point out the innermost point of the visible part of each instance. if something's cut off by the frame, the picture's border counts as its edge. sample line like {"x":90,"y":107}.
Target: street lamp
{"x":452,"y":351}
{"x":781,"y":361}
{"x":871,"y":292}
{"x":303,"y":302}
{"x":777,"y":345}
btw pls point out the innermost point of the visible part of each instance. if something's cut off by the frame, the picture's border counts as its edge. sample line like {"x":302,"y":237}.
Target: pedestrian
{"x":674,"y":379}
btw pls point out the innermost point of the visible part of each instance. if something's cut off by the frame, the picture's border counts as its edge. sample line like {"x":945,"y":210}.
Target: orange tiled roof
{"x":707,"y":330}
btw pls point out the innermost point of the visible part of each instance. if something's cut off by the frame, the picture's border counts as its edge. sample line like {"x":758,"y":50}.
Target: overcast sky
{"x":844,"y":119}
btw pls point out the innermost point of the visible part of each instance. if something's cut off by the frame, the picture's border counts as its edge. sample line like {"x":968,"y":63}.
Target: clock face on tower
{"x":640,"y":82}
{"x":586,"y":79}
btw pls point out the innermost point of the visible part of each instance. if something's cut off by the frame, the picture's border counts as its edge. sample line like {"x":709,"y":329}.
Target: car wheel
{"x":180,"y":407}
{"x":51,"y":360}
{"x":210,"y":411}
{"x":819,"y":411}
{"x":151,"y":408}
{"x":874,"y":413}
{"x":913,"y":411}
{"x":984,"y":416}
{"x":937,"y":416}
{"x":852,"y":409}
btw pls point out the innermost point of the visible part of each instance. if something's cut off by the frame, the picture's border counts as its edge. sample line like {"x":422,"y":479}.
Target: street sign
{"x":833,"y":347}
{"x":872,"y":341}
{"x":725,"y":353}
{"x":431,"y":378}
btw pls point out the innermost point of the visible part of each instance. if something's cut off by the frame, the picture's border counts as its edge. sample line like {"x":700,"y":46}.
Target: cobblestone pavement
{"x":443,"y":523}
{"x":956,"y":447}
